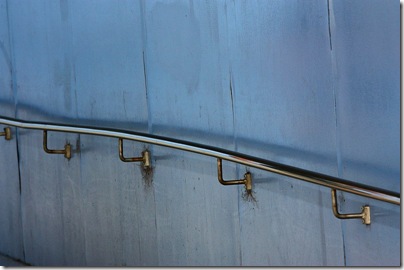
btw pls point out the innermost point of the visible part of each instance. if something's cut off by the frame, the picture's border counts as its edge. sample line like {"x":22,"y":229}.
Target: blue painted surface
{"x":367,"y":80}
{"x":282,"y":83}
{"x":50,"y":196}
{"x":300,"y":82}
{"x":11,"y":240}
{"x":197,"y":224}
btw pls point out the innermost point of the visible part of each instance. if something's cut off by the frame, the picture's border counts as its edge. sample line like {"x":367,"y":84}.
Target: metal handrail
{"x":236,"y":157}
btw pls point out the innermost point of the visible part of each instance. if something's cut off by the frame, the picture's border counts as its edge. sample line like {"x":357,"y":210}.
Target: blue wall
{"x":313,"y":84}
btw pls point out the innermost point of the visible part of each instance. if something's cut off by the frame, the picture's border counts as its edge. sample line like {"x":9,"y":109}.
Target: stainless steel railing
{"x":221,"y":154}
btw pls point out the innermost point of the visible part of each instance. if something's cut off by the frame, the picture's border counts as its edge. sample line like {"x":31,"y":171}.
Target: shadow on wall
{"x":273,"y":152}
{"x":10,"y":262}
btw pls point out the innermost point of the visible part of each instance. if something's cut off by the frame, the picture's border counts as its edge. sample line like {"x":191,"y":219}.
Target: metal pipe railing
{"x":267,"y":165}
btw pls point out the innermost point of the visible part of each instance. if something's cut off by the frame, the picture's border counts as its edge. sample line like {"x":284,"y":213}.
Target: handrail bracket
{"x":247,"y":180}
{"x":364,"y":215}
{"x":6,"y":133}
{"x":67,"y":152}
{"x":145,"y":158}
{"x":316,"y":178}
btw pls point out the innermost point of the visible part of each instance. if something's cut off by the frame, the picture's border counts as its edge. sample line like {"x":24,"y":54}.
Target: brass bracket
{"x":6,"y":133}
{"x":247,"y":180}
{"x":67,"y":151}
{"x":145,"y":158}
{"x":364,"y":215}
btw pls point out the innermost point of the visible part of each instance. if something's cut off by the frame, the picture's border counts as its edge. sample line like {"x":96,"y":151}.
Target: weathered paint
{"x":292,"y":81}
{"x":50,"y":194}
{"x":187,"y":85}
{"x":284,"y":99}
{"x":117,"y":206}
{"x":11,"y":241}
{"x":366,"y":43}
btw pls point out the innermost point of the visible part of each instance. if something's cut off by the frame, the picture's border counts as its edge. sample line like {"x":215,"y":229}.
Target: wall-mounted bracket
{"x":67,"y":151}
{"x":247,"y":180}
{"x":364,"y":215}
{"x":6,"y":133}
{"x":331,"y":182}
{"x":145,"y":158}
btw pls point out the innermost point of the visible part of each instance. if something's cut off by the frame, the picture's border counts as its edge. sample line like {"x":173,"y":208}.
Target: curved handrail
{"x":236,"y":157}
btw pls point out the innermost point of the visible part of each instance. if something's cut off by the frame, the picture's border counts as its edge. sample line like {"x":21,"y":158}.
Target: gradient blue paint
{"x":313,"y":84}
{"x":366,"y":43}
{"x":11,"y":240}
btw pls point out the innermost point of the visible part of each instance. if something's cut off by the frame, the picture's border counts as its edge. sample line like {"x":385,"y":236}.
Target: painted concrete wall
{"x":313,"y":84}
{"x":11,"y":240}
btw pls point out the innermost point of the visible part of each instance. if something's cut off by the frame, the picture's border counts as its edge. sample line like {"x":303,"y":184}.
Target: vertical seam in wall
{"x":239,"y":190}
{"x":12,"y":62}
{"x":149,"y":113}
{"x":331,"y":26}
{"x":237,"y":166}
{"x":82,"y":203}
{"x":15,"y":99}
{"x":67,"y":55}
{"x":233,"y":108}
{"x":144,"y":55}
{"x":78,"y":149}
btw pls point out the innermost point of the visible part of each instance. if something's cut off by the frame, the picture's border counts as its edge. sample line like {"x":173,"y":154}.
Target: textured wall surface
{"x":313,"y":84}
{"x":11,"y":240}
